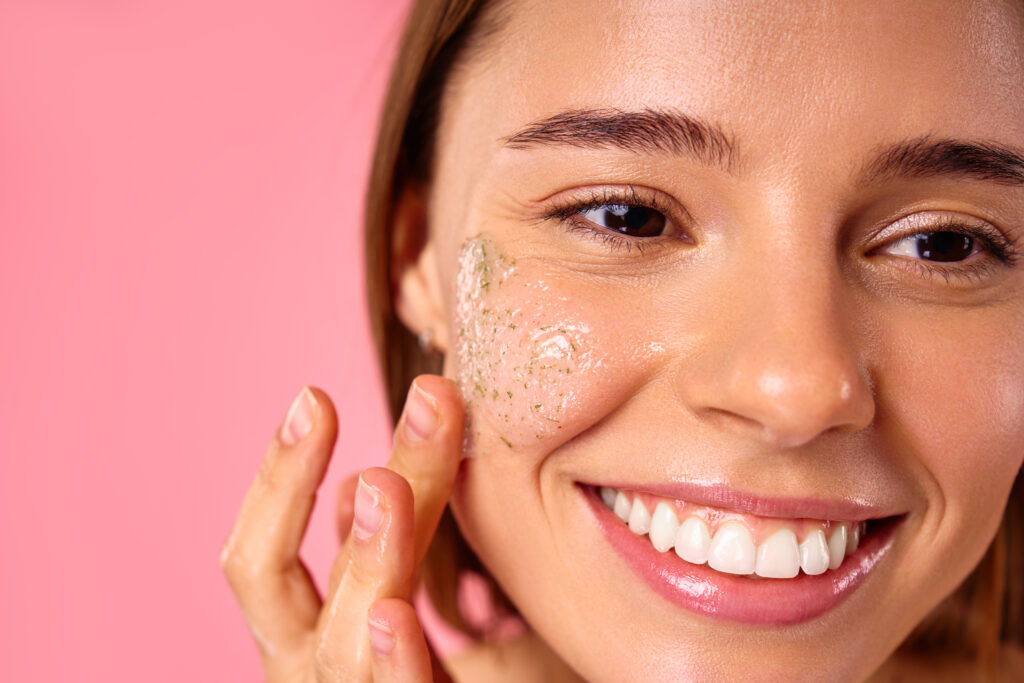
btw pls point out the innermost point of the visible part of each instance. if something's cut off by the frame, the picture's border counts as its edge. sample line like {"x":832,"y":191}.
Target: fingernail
{"x":368,"y":512}
{"x":299,"y":420}
{"x":382,"y":638}
{"x":420,"y":418}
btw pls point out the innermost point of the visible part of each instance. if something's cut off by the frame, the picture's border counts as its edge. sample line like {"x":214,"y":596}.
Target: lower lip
{"x":701,"y":589}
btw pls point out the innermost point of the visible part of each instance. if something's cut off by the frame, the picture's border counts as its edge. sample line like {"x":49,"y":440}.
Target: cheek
{"x":532,"y":366}
{"x":961,"y":403}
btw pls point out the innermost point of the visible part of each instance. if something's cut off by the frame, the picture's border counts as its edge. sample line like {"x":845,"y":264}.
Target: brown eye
{"x":627,"y":219}
{"x":944,"y":246}
{"x":938,"y":246}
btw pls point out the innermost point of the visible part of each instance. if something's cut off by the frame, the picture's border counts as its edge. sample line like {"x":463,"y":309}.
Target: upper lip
{"x":850,"y":509}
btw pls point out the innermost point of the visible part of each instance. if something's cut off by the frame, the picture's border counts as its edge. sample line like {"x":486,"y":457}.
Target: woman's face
{"x":753,"y":262}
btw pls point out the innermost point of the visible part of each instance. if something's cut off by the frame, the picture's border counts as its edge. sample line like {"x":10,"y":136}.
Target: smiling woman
{"x":730,"y":301}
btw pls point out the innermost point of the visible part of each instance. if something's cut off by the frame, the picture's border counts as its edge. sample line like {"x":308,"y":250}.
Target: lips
{"x":741,"y":567}
{"x":732,"y":542}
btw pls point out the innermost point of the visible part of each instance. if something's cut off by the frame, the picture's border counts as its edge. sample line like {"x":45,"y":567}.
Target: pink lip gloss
{"x":703,"y":590}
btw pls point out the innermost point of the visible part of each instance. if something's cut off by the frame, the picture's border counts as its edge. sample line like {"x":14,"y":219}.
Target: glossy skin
{"x":788,"y":345}
{"x":781,"y":339}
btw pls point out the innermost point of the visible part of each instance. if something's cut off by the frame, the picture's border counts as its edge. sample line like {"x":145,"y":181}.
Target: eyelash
{"x":998,"y":245}
{"x":567,"y":213}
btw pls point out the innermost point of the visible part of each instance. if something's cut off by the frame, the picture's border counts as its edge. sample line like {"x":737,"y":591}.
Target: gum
{"x":760,"y":527}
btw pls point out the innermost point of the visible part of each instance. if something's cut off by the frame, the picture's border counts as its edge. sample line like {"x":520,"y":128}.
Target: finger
{"x":346,"y":503}
{"x":260,"y":557}
{"x":400,"y":651}
{"x":377,"y":562}
{"x":427,"y":450}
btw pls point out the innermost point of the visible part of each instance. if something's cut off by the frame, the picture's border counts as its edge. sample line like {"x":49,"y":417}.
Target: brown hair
{"x":437,"y":34}
{"x":986,"y":611}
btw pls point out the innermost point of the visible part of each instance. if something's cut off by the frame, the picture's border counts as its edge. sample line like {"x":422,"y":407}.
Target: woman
{"x":731,"y":295}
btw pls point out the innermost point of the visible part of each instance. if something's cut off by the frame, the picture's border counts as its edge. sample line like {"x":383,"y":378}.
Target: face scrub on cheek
{"x":519,"y":354}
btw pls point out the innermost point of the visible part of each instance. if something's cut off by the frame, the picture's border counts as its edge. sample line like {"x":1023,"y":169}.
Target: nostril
{"x":786,"y":439}
{"x":793,"y":410}
{"x":782,"y":385}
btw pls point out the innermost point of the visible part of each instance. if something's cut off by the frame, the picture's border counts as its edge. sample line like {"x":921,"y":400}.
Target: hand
{"x":366,"y":628}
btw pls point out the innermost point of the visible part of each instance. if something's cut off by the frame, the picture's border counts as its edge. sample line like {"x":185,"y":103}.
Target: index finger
{"x":427,"y":451}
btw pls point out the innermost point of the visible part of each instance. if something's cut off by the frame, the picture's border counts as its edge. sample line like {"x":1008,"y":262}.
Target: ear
{"x":418,"y":300}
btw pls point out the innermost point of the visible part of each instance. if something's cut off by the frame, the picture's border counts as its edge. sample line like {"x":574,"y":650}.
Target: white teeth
{"x":853,"y":540}
{"x":837,"y":547}
{"x":622,"y":506}
{"x":693,"y":540}
{"x":640,"y":518}
{"x":732,"y":549}
{"x":778,"y":557}
{"x":814,"y":553}
{"x":608,"y":497}
{"x":663,"y":527}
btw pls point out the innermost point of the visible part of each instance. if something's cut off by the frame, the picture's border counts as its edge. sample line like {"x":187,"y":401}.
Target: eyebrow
{"x":935,"y":157}
{"x":652,"y":131}
{"x":648,"y":131}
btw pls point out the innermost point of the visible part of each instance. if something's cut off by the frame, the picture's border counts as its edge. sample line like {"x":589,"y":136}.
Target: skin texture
{"x":774,"y":343}
{"x":386,"y":518}
{"x":778,"y":340}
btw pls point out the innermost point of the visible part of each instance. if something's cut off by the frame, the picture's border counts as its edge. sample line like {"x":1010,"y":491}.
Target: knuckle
{"x":226,"y":556}
{"x":327,"y":668}
{"x":229,"y":559}
{"x":240,"y":569}
{"x":362,"y":576}
{"x":406,"y":465}
{"x":234,"y":569}
{"x":420,"y":471}
{"x":267,"y":476}
{"x":349,"y":574}
{"x":281,"y":478}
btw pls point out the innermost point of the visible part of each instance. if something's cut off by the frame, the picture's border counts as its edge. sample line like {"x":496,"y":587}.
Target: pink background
{"x":180,"y":198}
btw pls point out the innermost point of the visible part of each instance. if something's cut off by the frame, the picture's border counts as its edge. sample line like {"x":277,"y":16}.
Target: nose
{"x":784,"y":364}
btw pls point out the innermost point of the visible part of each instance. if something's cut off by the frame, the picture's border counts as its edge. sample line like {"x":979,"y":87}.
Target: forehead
{"x":779,"y":77}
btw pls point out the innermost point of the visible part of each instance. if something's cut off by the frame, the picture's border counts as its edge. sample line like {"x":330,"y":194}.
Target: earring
{"x":426,"y":339}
